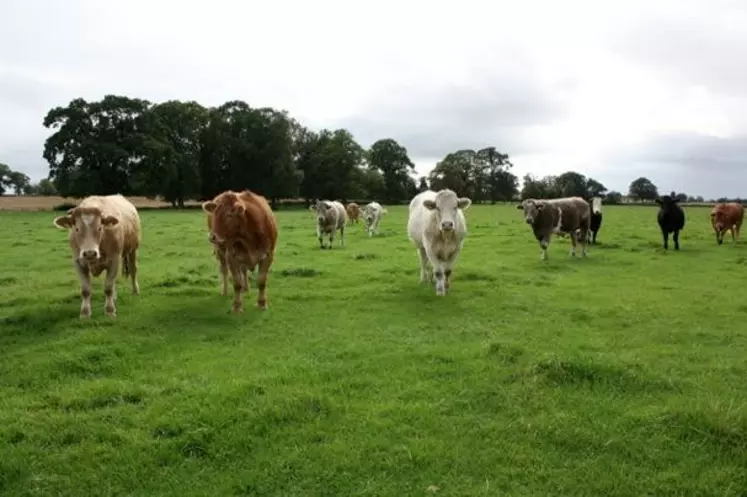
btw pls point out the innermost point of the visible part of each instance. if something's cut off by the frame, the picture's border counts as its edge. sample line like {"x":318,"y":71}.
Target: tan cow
{"x":244,"y":233}
{"x":354,"y":212}
{"x":103,"y":231}
{"x":727,"y":216}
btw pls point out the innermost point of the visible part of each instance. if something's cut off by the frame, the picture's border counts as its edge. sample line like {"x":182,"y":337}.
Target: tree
{"x":594,"y":188}
{"x":19,"y":182}
{"x":613,"y":198}
{"x":45,"y":188}
{"x":391,"y":159}
{"x":643,"y":189}
{"x":423,"y":184}
{"x":481,"y":175}
{"x":172,"y":164}
{"x":97,"y":147}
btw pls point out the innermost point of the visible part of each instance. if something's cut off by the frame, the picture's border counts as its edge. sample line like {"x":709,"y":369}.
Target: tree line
{"x":182,"y":150}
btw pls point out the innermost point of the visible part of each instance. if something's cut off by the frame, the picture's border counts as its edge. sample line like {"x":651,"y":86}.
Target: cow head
{"x":668,"y":202}
{"x":368,"y":215}
{"x":226,"y":210}
{"x":532,"y":210}
{"x":87,"y":225}
{"x":445,"y":205}
{"x":321,"y":209}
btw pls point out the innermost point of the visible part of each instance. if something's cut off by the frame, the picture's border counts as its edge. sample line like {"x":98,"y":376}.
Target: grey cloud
{"x":691,"y":162}
{"x":703,"y":49}
{"x":434,"y":123}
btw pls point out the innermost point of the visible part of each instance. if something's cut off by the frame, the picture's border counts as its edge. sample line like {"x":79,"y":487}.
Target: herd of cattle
{"x":105,"y":231}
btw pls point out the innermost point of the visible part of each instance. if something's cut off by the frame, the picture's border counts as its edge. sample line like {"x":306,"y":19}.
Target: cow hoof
{"x":85,"y":315}
{"x":237,"y":310}
{"x":112,"y":314}
{"x":262,"y":305}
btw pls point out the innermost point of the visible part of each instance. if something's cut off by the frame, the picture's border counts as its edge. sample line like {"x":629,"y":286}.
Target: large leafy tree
{"x":643,"y":189}
{"x":391,"y":160}
{"x":98,"y":146}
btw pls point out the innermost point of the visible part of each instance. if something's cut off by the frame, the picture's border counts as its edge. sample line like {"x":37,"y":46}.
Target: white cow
{"x":437,"y":227}
{"x":372,"y":213}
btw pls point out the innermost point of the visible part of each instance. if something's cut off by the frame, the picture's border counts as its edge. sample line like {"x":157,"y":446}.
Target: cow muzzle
{"x":89,"y":254}
{"x":447,"y":226}
{"x":528,"y":220}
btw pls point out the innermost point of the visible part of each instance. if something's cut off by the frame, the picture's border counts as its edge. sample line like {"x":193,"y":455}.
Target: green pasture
{"x":624,"y":373}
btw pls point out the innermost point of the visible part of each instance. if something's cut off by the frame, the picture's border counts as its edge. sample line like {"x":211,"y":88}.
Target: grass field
{"x":620,"y":374}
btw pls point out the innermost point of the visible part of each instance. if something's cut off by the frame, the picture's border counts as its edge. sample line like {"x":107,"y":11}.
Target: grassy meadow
{"x":620,"y":374}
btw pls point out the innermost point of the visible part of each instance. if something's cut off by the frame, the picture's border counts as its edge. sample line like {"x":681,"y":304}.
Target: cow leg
{"x":584,"y":242}
{"x":737,"y":227}
{"x":424,"y":273}
{"x":573,"y":243}
{"x":262,"y":273}
{"x":733,"y":236}
{"x":84,"y":275}
{"x":438,"y":272}
{"x":544,"y":243}
{"x":342,"y":236}
{"x":676,"y":239}
{"x":239,"y":286}
{"x":132,"y":265}
{"x":665,"y":236}
{"x":110,"y":290}
{"x":223,"y":275}
{"x":447,"y":276}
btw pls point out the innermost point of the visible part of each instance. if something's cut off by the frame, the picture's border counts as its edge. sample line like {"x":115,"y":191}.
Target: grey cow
{"x":330,"y":217}
{"x":560,"y":216}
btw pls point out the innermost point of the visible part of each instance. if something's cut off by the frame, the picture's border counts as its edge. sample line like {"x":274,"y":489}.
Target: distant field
{"x":620,"y":374}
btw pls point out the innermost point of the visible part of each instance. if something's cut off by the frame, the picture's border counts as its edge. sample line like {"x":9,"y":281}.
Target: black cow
{"x":671,"y":219}
{"x":595,"y":222}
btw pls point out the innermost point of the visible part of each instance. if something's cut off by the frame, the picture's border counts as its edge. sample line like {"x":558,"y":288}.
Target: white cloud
{"x":583,"y":85}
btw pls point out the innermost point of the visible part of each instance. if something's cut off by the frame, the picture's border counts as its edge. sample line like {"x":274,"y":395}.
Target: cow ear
{"x":658,"y":201}
{"x":109,"y":221}
{"x":63,"y":222}
{"x":464,"y":203}
{"x":520,"y":206}
{"x":327,"y":205}
{"x":209,"y":206}
{"x":429,"y":204}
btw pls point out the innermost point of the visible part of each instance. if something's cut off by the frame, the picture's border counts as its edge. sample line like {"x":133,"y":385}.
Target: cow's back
{"x":341,"y":217}
{"x":261,"y":227}
{"x":418,"y":217}
{"x":575,"y":212}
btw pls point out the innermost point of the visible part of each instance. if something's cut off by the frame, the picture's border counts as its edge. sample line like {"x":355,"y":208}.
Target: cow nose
{"x":447,"y":225}
{"x":528,"y":220}
{"x":90,"y":254}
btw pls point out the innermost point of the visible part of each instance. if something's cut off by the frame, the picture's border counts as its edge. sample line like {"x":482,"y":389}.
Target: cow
{"x":437,"y":227}
{"x":354,"y":212}
{"x":104,"y":230}
{"x":243,"y":232}
{"x":330,"y":217}
{"x":595,"y":220}
{"x":727,"y":216}
{"x":559,"y":216}
{"x":372,"y":213}
{"x":671,"y":219}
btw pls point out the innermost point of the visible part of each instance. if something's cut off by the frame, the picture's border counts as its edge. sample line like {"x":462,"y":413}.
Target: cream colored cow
{"x":103,"y":231}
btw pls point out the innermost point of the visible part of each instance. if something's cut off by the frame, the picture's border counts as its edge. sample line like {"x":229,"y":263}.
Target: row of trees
{"x":182,"y":151}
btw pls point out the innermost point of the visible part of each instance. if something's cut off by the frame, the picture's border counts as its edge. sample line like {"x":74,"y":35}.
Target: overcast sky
{"x":611,"y":89}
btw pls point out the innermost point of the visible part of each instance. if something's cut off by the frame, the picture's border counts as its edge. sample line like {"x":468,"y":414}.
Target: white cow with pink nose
{"x":437,"y":227}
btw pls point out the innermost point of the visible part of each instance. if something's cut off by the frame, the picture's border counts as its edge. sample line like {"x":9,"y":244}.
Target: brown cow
{"x":727,"y":216}
{"x":354,"y":212}
{"x":103,"y":230}
{"x":559,"y":216}
{"x":244,"y":233}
